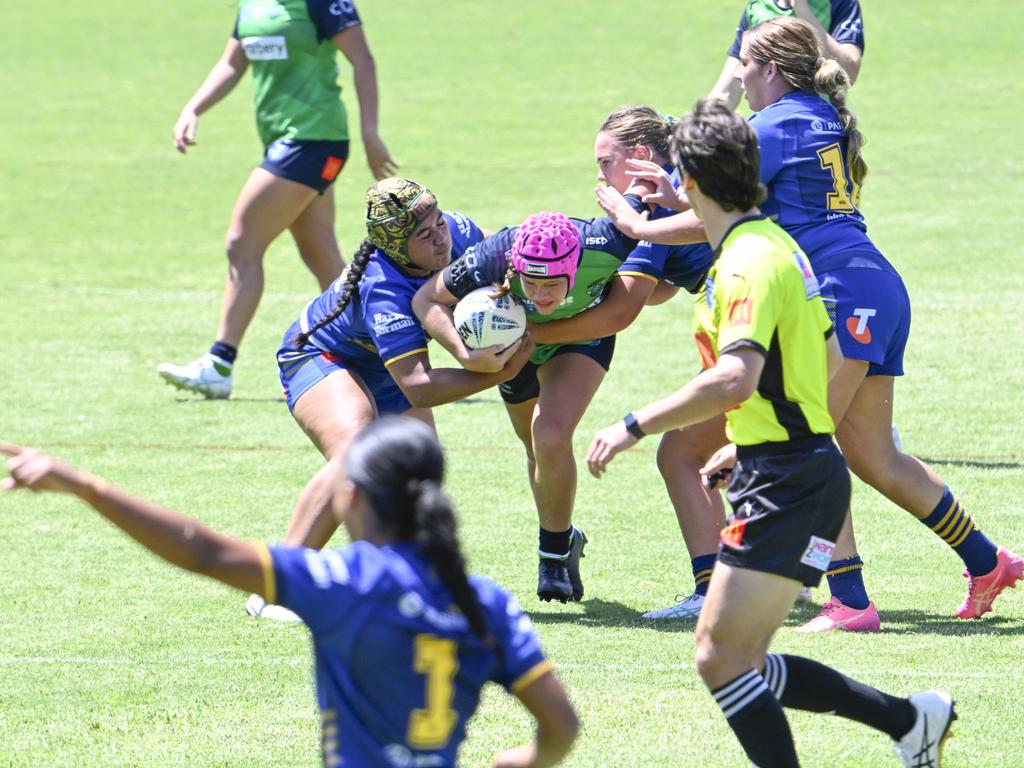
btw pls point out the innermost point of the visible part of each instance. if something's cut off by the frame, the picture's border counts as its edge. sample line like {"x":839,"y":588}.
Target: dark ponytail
{"x":353,"y":274}
{"x":397,"y":462}
{"x":436,"y":537}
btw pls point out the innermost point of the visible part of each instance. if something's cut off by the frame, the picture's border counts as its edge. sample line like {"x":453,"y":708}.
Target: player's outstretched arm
{"x":847,"y":54}
{"x":218,"y":83}
{"x":680,"y":229}
{"x":176,"y":538}
{"x":557,"y":726}
{"x":619,"y":308}
{"x":727,"y":88}
{"x":732,"y":380}
{"x":352,"y":43}
{"x":426,"y":386}
{"x":431,"y":305}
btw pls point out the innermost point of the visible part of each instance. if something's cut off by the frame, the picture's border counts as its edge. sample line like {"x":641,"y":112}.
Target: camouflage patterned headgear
{"x":394,"y":208}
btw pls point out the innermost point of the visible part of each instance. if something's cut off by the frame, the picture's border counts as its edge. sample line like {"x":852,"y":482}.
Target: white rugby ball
{"x":484,"y":321}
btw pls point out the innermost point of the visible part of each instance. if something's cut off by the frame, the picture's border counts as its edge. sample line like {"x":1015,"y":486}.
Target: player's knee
{"x":873,"y":461}
{"x":239,"y":252}
{"x":673,"y":458}
{"x":317,"y":247}
{"x":531,"y":460}
{"x":551,"y":436}
{"x":708,"y":658}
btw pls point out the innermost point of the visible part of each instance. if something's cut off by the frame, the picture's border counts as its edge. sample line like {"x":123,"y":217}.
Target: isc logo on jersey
{"x":272,"y":48}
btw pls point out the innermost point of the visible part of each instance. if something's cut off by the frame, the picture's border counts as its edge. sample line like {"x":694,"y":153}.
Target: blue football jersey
{"x":379,"y":326}
{"x":810,"y":193}
{"x":398,"y":671}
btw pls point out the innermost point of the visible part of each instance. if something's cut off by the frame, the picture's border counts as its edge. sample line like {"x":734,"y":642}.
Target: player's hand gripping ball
{"x":485,"y":321}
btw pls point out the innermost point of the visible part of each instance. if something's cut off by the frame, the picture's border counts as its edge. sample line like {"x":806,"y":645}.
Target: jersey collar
{"x":733,"y":226}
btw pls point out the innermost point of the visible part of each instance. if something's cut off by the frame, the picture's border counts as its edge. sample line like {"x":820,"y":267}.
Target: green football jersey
{"x":759,"y":11}
{"x":606,"y":251}
{"x":592,"y":275}
{"x":294,"y":66}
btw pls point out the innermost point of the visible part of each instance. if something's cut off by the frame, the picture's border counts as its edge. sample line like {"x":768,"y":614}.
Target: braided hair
{"x":397,"y":462}
{"x":793,"y":46}
{"x":353,"y":274}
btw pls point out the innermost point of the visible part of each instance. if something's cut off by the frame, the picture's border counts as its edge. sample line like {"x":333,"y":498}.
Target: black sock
{"x":554,"y":545}
{"x":757,"y":719}
{"x":225,"y":352}
{"x":800,"y":683}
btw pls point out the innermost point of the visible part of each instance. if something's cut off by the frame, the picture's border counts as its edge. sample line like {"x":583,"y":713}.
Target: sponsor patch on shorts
{"x":819,"y":553}
{"x":331,"y":168}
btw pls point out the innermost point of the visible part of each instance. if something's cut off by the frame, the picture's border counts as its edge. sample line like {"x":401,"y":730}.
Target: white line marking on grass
{"x":87,"y":661}
{"x":148,"y":293}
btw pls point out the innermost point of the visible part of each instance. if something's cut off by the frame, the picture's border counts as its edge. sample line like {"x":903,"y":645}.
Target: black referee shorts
{"x":789,"y":501}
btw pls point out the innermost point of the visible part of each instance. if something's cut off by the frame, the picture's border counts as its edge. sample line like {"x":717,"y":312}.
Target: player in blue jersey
{"x":812,"y":166}
{"x":558,"y":267}
{"x":812,"y":163}
{"x":358,"y":351}
{"x":291,"y":48}
{"x":838,"y":26}
{"x":772,"y":351}
{"x":403,"y":640}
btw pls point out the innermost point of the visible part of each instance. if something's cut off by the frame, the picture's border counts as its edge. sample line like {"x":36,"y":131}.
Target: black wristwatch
{"x":633,"y":427}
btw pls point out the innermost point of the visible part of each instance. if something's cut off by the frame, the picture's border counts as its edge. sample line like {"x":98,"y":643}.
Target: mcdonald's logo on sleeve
{"x":740,"y":312}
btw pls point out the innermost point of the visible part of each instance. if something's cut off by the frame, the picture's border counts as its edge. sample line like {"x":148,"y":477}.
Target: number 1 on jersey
{"x":831,"y":159}
{"x":432,"y":726}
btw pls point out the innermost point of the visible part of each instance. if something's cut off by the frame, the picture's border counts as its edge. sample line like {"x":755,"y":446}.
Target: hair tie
{"x":669,"y":119}
{"x":818,"y":62}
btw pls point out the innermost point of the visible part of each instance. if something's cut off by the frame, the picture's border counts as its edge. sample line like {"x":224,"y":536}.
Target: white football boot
{"x":261,"y":609}
{"x":688,"y":608}
{"x":208,"y":375}
{"x":922,"y":746}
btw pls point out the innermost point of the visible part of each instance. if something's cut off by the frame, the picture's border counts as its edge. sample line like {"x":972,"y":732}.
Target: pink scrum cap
{"x":546,"y":245}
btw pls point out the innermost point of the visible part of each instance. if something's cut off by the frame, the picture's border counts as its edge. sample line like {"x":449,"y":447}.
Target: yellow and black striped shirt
{"x":762,"y":293}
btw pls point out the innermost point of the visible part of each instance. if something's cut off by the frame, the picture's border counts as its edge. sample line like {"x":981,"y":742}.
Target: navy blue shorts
{"x":789,"y":501}
{"x":301,"y":369}
{"x":870,"y":310}
{"x":526,"y":386}
{"x":313,"y":163}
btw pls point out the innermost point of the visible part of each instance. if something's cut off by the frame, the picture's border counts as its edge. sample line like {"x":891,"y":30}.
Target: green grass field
{"x":111,"y":261}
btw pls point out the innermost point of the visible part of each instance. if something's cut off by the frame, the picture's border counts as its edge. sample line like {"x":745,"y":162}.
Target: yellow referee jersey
{"x":762,"y":293}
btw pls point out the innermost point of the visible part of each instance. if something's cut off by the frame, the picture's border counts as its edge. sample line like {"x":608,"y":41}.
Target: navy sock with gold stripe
{"x":954,"y":526}
{"x":702,"y":566}
{"x":846,"y":582}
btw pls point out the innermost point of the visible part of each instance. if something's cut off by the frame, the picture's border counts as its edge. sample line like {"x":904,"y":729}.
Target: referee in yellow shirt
{"x":768,"y":352}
